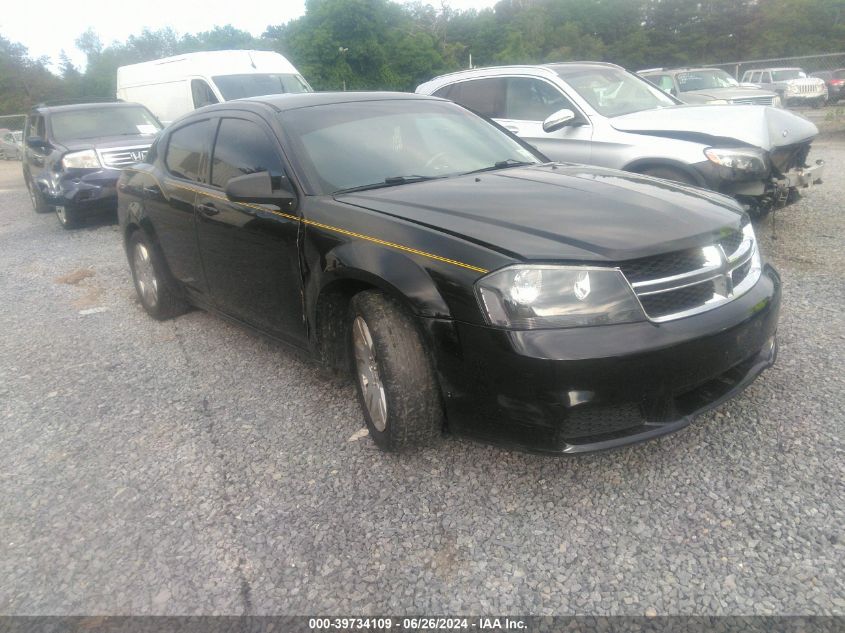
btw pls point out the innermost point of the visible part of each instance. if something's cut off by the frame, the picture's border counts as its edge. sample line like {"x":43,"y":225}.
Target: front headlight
{"x":86,"y":159}
{"x":791,"y":88}
{"x":747,"y":159}
{"x":718,"y":102}
{"x":527,"y":297}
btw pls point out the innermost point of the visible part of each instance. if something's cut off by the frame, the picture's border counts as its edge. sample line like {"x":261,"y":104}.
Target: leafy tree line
{"x":382,"y":44}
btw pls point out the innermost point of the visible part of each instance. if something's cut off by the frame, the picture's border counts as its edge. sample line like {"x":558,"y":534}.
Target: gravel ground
{"x":192,"y":467}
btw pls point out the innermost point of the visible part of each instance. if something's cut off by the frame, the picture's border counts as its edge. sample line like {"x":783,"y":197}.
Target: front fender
{"x":393,"y":271}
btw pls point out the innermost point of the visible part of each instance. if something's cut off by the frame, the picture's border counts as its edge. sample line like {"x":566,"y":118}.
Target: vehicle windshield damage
{"x":395,"y":142}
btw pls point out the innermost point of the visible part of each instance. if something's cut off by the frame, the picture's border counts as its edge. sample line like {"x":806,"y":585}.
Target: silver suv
{"x":792,"y":84}
{"x":600,"y":114}
{"x":708,"y":86}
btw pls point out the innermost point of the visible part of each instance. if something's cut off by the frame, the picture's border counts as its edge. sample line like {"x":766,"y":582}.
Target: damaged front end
{"x":762,"y":180}
{"x":756,"y":154}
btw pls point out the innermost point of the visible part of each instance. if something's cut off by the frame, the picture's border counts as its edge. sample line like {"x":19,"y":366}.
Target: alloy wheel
{"x":368,"y":374}
{"x":145,"y":275}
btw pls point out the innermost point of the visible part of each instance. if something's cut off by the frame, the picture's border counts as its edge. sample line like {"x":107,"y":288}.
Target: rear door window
{"x":484,"y":96}
{"x":186,"y":150}
{"x":243,"y":147}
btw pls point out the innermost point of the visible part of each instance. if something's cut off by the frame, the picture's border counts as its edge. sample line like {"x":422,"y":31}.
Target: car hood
{"x":760,"y":126}
{"x":109,"y":142}
{"x":558,"y":212}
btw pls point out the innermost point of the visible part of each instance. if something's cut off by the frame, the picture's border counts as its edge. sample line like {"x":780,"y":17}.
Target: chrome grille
{"x":683,"y":283}
{"x":766,"y":101}
{"x":120,"y":157}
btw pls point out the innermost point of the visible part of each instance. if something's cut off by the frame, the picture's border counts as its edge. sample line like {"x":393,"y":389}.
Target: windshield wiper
{"x":503,"y":164}
{"x":390,"y":181}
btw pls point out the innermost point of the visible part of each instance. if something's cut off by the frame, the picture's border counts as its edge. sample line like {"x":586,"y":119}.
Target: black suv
{"x":458,"y":274}
{"x":73,"y":155}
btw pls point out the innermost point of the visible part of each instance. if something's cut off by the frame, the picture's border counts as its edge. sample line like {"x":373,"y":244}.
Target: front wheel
{"x":67,"y":216}
{"x":394,"y":375}
{"x":155,"y":289}
{"x":39,"y":202}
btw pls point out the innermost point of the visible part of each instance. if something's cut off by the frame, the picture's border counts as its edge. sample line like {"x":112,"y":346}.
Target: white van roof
{"x":207,"y":63}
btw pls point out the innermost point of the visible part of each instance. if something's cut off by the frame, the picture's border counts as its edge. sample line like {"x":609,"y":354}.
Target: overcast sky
{"x":46,"y":28}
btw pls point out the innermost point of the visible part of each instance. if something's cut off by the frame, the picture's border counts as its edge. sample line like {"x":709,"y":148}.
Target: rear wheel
{"x":155,"y":289}
{"x":394,"y":375}
{"x":668,"y":173}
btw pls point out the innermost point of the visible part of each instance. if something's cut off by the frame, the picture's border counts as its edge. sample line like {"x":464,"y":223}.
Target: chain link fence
{"x":809,"y":63}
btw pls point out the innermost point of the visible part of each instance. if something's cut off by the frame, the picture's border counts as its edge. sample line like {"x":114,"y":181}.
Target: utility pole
{"x":343,"y":50}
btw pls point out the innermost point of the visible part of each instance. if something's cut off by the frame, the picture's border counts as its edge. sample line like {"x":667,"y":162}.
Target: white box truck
{"x":172,"y":86}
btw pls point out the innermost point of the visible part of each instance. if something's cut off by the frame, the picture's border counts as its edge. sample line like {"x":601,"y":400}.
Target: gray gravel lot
{"x":192,"y":467}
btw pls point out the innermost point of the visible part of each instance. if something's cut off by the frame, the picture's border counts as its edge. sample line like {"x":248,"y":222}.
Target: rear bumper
{"x":587,"y":389}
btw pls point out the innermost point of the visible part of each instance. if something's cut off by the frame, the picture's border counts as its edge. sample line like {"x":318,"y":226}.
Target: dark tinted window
{"x":36,"y":126}
{"x":484,"y":96}
{"x":186,"y":148}
{"x":243,"y":147}
{"x":533,"y":99}
{"x":95,"y":122}
{"x":201,"y":93}
{"x":254,"y":85}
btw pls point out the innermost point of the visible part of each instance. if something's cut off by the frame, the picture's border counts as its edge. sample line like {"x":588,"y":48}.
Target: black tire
{"x":68,"y":217}
{"x":668,"y":173}
{"x":39,"y":202}
{"x":166,"y":302}
{"x":414,"y":411}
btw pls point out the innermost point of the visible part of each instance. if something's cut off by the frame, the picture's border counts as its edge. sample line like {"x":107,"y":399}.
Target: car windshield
{"x":384,"y":143}
{"x":613,"y":91}
{"x":789,"y":73}
{"x":101,"y":122}
{"x":256,"y":85}
{"x":705,"y":80}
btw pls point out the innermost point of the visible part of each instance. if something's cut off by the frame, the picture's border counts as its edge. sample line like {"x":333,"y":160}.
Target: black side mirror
{"x":36,"y":142}
{"x":257,"y":188}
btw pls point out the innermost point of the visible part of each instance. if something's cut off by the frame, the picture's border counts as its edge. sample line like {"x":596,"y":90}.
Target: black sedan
{"x":466,"y":282}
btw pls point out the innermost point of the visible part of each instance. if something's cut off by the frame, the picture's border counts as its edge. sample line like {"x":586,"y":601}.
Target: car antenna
{"x":251,"y":60}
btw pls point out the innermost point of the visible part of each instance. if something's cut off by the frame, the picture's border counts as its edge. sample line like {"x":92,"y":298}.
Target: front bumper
{"x":769,"y":190}
{"x":85,"y":190}
{"x":587,"y":389}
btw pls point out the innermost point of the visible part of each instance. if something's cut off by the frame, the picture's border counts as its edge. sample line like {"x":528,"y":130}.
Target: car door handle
{"x":208,"y":209}
{"x":151,"y":191}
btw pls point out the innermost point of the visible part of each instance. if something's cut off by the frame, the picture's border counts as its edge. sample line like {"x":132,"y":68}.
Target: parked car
{"x":74,"y":153}
{"x":708,"y":86}
{"x":791,"y":84}
{"x":835,"y":82}
{"x":600,"y":114}
{"x":10,"y":145}
{"x":458,"y":275}
{"x":173,"y":86}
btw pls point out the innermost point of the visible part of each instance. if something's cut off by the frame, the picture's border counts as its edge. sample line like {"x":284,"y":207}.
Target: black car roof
{"x":83,"y":106}
{"x":306,"y":99}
